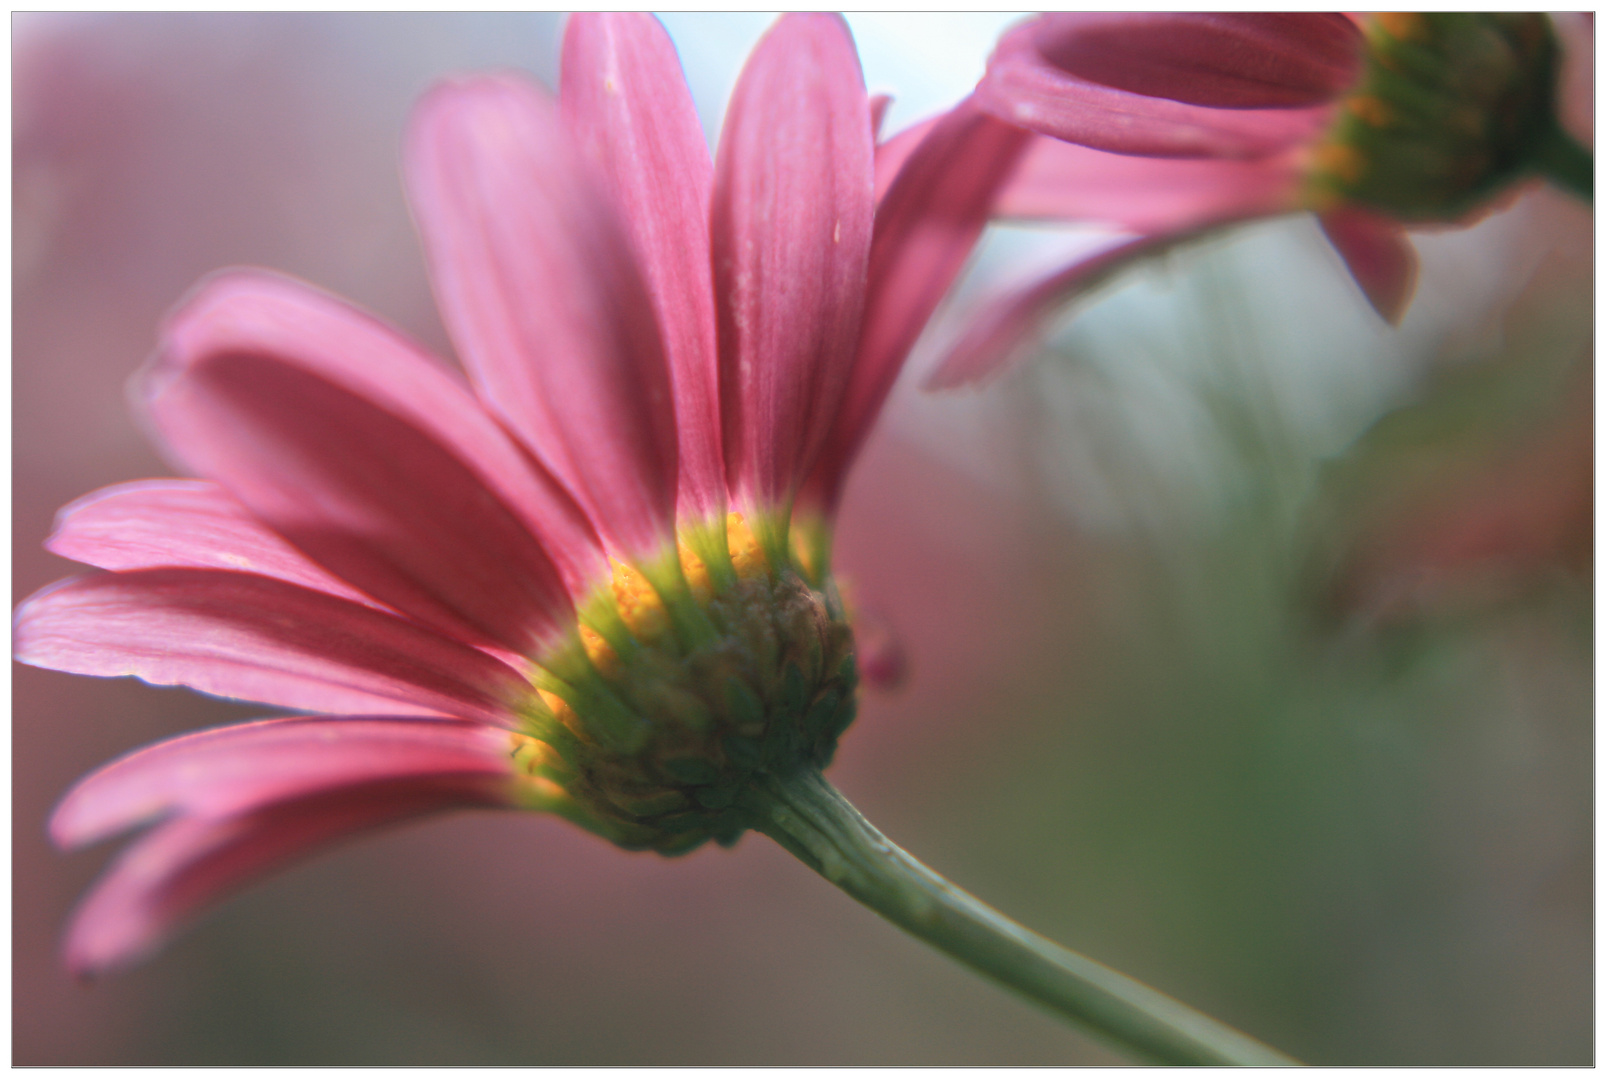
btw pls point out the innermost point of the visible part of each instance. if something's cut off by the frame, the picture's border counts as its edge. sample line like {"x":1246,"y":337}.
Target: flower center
{"x":682,"y":682}
{"x":1447,"y":112}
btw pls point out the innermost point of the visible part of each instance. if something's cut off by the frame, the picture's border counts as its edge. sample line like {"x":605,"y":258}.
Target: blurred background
{"x":1249,"y":639}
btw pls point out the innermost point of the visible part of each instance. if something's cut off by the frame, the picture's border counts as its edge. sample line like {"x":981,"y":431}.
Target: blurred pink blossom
{"x":1170,"y":126}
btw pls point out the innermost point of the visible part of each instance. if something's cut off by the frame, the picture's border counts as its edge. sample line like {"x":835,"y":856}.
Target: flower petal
{"x":879,"y":104}
{"x":1024,"y":87}
{"x":793,"y":205}
{"x":879,"y":653}
{"x":891,"y":154}
{"x":1166,"y":202}
{"x":151,"y":523}
{"x":228,"y":771}
{"x":254,"y":638}
{"x":628,"y":106}
{"x":926,"y":226}
{"x":367,"y":456}
{"x":539,"y":288}
{"x":1061,"y":181}
{"x":1380,"y":257}
{"x":167,"y":877}
{"x":1256,"y":60}
{"x":1010,"y":324}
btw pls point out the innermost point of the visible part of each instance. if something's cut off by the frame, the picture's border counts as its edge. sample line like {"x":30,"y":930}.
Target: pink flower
{"x":572,"y":584}
{"x":1167,"y":126}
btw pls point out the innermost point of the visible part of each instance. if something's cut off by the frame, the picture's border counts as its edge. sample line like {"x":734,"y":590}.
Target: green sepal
{"x":691,"y":623}
{"x":794,"y":692}
{"x":653,"y":805}
{"x":709,"y":542}
{"x":569,"y":674}
{"x":741,"y":751}
{"x":601,"y":614}
{"x":715,"y":798}
{"x":812,"y":533}
{"x":658,"y":697}
{"x":822,"y":712}
{"x":743,"y":705}
{"x":771,"y":530}
{"x":691,"y":770}
{"x":1565,"y":163}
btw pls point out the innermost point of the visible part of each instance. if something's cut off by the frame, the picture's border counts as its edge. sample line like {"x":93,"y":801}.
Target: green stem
{"x":1565,"y":163}
{"x":808,"y":817}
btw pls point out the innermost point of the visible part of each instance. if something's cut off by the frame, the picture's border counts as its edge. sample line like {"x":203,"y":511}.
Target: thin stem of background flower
{"x":1565,"y":163}
{"x":806,"y":815}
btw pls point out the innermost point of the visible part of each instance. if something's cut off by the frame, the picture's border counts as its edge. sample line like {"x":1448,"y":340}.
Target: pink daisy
{"x":591,"y":580}
{"x":1168,"y":126}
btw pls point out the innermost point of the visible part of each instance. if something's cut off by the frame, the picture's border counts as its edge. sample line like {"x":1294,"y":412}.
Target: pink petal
{"x":1226,"y":61}
{"x":892,"y":153}
{"x":1380,"y":257}
{"x":152,"y":523}
{"x":368,"y":457}
{"x":1024,"y":87}
{"x":879,"y":104}
{"x":628,"y":106}
{"x":793,"y":206}
{"x":926,"y":226}
{"x":257,"y":639}
{"x":1061,"y":181}
{"x":879,"y":653}
{"x":1009,"y":325}
{"x":1167,"y":202}
{"x":229,"y":771}
{"x":538,"y":285}
{"x":167,"y":877}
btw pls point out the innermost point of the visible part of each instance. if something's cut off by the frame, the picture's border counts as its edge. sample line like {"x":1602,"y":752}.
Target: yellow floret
{"x":746,"y":554}
{"x":638,"y":602}
{"x":1344,"y":162}
{"x":1370,"y":110}
{"x":697,"y":574}
{"x":560,"y":708}
{"x":600,"y":652}
{"x":1401,"y":25}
